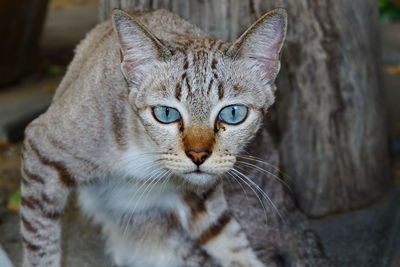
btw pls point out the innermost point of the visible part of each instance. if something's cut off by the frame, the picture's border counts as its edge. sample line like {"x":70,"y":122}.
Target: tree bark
{"x":330,"y":106}
{"x":330,"y":118}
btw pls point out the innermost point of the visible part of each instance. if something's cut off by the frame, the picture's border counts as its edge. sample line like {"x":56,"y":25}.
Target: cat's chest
{"x":123,"y":200}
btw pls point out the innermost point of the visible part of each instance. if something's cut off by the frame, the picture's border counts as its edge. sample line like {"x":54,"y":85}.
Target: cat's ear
{"x":140,"y":49}
{"x":260,"y":45}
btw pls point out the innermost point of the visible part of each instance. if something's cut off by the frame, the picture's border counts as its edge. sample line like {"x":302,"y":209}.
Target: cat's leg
{"x":45,"y":187}
{"x":154,"y":241}
{"x":215,"y":230}
{"x":227,"y":242}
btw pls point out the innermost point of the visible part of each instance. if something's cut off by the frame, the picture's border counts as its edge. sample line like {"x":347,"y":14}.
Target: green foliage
{"x":14,"y":201}
{"x":56,"y":69}
{"x":389,"y":11}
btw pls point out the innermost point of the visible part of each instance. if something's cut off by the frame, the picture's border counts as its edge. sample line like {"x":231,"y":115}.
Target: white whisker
{"x":244,"y":191}
{"x":262,"y":161}
{"x":148,"y":183}
{"x":265,"y":172}
{"x":255,"y":193}
{"x":261,"y":191}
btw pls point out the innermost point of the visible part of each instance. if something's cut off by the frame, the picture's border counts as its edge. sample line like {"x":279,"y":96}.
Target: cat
{"x":147,"y":120}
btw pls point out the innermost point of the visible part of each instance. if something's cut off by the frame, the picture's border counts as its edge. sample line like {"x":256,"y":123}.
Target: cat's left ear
{"x":260,"y":45}
{"x":140,"y":49}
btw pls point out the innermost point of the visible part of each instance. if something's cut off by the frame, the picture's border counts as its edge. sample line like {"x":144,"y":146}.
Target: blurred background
{"x":38,"y":38}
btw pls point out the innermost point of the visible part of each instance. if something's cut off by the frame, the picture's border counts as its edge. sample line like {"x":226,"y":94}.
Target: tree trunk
{"x":330,"y":106}
{"x":330,"y":119}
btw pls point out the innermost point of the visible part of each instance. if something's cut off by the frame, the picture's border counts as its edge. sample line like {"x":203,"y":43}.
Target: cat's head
{"x":201,"y":101}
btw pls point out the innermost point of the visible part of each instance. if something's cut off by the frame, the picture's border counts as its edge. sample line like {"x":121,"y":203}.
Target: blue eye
{"x":166,"y":114}
{"x":234,"y":114}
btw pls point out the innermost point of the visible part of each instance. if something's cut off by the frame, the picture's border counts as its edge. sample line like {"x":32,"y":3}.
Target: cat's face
{"x":200,"y":106}
{"x":200,"y":113}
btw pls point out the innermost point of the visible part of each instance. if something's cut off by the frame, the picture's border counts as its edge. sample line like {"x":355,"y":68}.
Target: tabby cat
{"x":149,"y":116}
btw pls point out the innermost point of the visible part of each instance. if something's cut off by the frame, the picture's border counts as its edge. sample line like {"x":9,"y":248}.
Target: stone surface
{"x":22,"y":102}
{"x":368,"y":237}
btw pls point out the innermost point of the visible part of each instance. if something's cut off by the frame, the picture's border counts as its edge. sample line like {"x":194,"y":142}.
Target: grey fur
{"x":99,"y":135}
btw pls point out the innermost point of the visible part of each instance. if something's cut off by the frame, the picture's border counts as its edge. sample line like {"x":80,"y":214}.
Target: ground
{"x":367,"y":237}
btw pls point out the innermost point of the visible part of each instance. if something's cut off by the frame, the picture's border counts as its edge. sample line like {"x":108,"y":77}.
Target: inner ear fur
{"x":140,"y":48}
{"x":261,"y":44}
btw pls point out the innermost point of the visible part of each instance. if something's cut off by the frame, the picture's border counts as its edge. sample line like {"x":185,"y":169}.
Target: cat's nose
{"x":198,"y":156}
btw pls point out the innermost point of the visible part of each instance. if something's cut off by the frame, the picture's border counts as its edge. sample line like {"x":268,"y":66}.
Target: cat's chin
{"x":200,"y":179}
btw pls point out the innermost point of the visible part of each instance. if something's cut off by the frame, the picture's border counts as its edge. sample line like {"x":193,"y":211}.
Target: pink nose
{"x":198,"y":156}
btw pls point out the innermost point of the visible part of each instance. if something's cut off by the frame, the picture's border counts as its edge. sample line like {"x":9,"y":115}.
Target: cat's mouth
{"x":197,"y":171}
{"x":199,"y":177}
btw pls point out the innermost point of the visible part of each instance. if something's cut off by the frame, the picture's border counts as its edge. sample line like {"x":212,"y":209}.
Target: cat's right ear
{"x":140,"y":49}
{"x":261,"y":44}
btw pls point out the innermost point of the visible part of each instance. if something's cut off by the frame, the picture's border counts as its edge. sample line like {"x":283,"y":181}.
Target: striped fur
{"x":156,"y":207}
